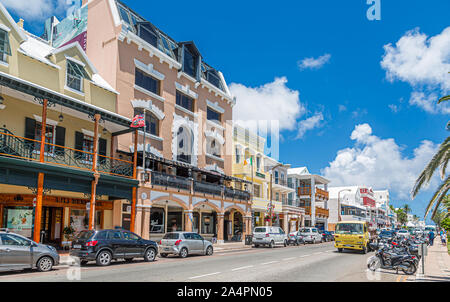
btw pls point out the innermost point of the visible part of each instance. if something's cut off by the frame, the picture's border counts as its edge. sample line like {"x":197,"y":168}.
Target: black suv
{"x":105,"y":245}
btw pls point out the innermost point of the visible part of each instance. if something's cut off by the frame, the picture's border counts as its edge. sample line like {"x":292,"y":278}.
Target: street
{"x":319,"y":263}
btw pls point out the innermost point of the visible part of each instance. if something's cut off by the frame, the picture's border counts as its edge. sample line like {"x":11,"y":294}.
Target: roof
{"x":333,"y":191}
{"x":299,"y":171}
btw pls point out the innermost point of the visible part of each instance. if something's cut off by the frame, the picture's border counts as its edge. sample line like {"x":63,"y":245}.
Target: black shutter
{"x":60,"y":140}
{"x":30,"y":130}
{"x":102,"y":143}
{"x":79,"y":144}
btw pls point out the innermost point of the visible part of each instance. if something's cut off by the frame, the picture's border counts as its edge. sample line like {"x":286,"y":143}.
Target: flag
{"x":248,"y":161}
{"x":138,"y":121}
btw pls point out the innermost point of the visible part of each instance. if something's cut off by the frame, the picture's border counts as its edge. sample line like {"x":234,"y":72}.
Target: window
{"x":213,"y":78}
{"x":197,"y":236}
{"x":238,"y":155}
{"x":171,"y":236}
{"x":151,"y":122}
{"x":49,"y":137}
{"x":213,"y":115}
{"x":157,"y":220}
{"x":130,"y":236}
{"x":147,"y":82}
{"x":277,"y":196}
{"x":146,"y":32}
{"x":189,"y":63}
{"x":88,"y":146}
{"x":276,"y":177}
{"x":213,"y":147}
{"x":257,"y":190}
{"x":185,"y":101}
{"x":5,"y":48}
{"x":258,"y":163}
{"x":75,"y":75}
{"x":8,"y":239}
{"x":117,"y":235}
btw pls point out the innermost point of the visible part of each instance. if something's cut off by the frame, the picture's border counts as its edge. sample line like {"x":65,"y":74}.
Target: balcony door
{"x":185,"y":144}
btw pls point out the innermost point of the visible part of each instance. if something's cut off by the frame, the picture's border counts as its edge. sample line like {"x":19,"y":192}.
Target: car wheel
{"x":164,"y":255}
{"x":45,"y":264}
{"x":209,"y":251}
{"x":285,"y":243}
{"x":183,"y":252}
{"x":256,"y":245}
{"x":104,"y":258}
{"x":340,"y":250}
{"x":364,"y":250}
{"x":150,"y":255}
{"x":128,"y":259}
{"x":272,"y":244}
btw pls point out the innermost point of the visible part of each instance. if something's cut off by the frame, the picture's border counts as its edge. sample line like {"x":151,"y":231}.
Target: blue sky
{"x":253,"y":43}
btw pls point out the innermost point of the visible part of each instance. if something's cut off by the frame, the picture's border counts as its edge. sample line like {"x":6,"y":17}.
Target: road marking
{"x":269,"y":262}
{"x":204,"y":275}
{"x":286,"y":259}
{"x":305,"y":256}
{"x":243,"y":267}
{"x":318,"y":253}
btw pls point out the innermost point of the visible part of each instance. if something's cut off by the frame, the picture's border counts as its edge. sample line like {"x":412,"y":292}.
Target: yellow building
{"x":250,"y":164}
{"x":58,"y":125}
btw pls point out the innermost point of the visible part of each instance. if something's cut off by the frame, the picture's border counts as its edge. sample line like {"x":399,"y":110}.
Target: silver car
{"x":18,"y":253}
{"x":269,"y":236}
{"x":184,"y":244}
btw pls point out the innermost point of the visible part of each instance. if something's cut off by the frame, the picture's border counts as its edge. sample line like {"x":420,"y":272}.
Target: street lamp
{"x":271,"y":207}
{"x":339,"y":203}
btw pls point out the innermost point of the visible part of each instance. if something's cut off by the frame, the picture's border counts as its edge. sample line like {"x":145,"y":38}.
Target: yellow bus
{"x":352,"y":235}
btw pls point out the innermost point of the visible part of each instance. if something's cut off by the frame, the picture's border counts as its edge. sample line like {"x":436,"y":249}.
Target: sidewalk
{"x":437,"y":265}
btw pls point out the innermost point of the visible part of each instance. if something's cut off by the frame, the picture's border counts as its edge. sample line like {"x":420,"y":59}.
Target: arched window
{"x":185,"y":144}
{"x":151,"y":121}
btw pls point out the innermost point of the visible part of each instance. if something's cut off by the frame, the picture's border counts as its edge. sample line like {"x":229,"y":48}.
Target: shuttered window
{"x":5,"y":48}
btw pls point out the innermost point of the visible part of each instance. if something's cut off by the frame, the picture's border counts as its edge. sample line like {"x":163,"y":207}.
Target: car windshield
{"x":85,"y":234}
{"x":260,"y":230}
{"x":403,"y":231}
{"x":171,"y":236}
{"x":386,"y":233}
{"x":349,"y":228}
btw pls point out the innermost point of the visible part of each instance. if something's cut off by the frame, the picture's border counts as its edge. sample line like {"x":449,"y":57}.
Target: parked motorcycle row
{"x":397,"y":253}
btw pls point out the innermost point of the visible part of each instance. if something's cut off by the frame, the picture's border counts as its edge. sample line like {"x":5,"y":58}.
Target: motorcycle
{"x":394,"y":258}
{"x":295,"y":239}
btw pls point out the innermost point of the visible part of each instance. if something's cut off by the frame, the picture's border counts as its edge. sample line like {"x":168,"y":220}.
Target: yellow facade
{"x":248,"y":145}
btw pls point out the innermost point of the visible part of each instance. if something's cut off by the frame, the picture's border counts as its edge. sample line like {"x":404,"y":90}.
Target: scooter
{"x":386,"y":259}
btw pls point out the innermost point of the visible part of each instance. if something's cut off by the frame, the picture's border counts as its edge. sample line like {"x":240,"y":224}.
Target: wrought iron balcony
{"x":172,"y":181}
{"x":208,"y":188}
{"x":29,"y":149}
{"x":236,"y":194}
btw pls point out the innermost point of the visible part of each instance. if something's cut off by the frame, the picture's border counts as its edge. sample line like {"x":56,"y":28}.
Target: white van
{"x":269,"y":236}
{"x":311,"y":235}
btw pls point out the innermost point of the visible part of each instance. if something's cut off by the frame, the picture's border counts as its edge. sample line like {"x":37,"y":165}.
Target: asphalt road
{"x":319,"y":262}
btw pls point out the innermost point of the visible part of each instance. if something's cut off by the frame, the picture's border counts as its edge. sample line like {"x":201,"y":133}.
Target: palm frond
{"x":440,"y":158}
{"x":443,"y":99}
{"x":438,"y":196}
{"x":443,"y":167}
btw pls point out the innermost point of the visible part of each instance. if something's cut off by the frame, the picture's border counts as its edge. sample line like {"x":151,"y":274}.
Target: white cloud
{"x":424,"y":63}
{"x":394,"y":108}
{"x":313,"y":63}
{"x":309,"y":124}
{"x":378,"y":162}
{"x":271,"y":101}
{"x":38,"y":10}
{"x":359,"y":112}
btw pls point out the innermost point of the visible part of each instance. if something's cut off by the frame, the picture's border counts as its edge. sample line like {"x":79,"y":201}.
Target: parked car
{"x":386,"y":235}
{"x":295,"y":238}
{"x":184,"y":244}
{"x":269,"y":236}
{"x":403,"y":233}
{"x":18,"y":252}
{"x":327,"y":236}
{"x":311,"y":235}
{"x":105,"y":245}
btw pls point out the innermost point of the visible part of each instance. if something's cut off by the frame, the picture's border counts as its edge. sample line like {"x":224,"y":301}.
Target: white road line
{"x":243,"y":267}
{"x":318,"y":253}
{"x":269,"y":262}
{"x":204,"y":275}
{"x":286,"y":259}
{"x":305,"y":256}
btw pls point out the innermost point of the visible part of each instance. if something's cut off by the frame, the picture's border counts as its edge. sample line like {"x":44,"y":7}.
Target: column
{"x":40,"y":182}
{"x":139,"y":218}
{"x":220,"y":218}
{"x":303,"y":221}
{"x":145,"y":233}
{"x":286,"y":222}
{"x":96,"y":174}
{"x":134,"y":191}
{"x":313,"y":202}
{"x":188,"y":221}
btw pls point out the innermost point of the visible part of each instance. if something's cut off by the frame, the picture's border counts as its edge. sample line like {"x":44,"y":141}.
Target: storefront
{"x":17,"y":215}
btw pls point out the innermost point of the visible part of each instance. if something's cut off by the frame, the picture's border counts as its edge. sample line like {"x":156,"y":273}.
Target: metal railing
{"x":207,"y":188}
{"x":236,"y":194}
{"x":319,"y":192}
{"x":172,"y":181}
{"x":29,"y":149}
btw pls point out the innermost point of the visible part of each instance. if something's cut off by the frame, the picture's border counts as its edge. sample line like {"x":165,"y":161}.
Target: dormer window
{"x":75,"y":75}
{"x":213,"y":78}
{"x":146,"y":32}
{"x":5,"y":48}
{"x":189,"y":63}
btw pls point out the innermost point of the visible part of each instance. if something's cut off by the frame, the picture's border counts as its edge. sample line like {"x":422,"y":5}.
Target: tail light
{"x":267,"y":235}
{"x":160,"y":242}
{"x":92,"y":243}
{"x":360,"y":237}
{"x":178,"y":242}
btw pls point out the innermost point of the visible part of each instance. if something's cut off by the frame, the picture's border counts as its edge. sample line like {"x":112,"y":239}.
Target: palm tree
{"x":407,"y":209}
{"x":439,"y":161}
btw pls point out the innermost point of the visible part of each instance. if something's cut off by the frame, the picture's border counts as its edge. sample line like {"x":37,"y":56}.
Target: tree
{"x":402,"y":217}
{"x":406,"y":209}
{"x":438,"y":162}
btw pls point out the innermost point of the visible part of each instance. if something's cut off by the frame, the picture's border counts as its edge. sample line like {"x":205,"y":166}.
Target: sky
{"x":355,"y":98}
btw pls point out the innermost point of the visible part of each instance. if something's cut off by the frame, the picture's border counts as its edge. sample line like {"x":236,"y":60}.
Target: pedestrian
{"x":443,"y":239}
{"x":431,"y":236}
